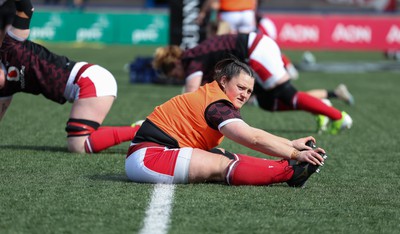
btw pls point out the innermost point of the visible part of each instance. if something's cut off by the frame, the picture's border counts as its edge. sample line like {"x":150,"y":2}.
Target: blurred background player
{"x":273,"y":89}
{"x":30,"y":68}
{"x":239,"y":14}
{"x":267,"y":27}
{"x":227,"y":16}
{"x":176,"y":143}
{"x":217,"y":26}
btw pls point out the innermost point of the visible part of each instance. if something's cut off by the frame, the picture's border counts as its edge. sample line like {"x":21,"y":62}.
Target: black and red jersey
{"x":208,"y":53}
{"x":31,"y":68}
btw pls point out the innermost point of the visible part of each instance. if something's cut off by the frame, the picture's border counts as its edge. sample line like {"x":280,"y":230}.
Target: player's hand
{"x":314,"y":157}
{"x":300,"y":144}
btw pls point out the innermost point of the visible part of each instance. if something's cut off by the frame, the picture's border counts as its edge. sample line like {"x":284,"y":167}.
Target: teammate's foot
{"x":343,"y":94}
{"x":344,"y":123}
{"x":137,"y":123}
{"x":322,"y":123}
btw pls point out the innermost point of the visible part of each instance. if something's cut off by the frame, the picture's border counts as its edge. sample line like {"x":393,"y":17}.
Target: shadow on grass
{"x":35,"y":147}
{"x":123,"y":179}
{"x":111,"y":177}
{"x":56,"y":149}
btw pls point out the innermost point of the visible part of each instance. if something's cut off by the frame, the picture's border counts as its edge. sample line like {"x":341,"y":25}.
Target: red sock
{"x":106,"y":137}
{"x":257,"y":171}
{"x":314,"y":105}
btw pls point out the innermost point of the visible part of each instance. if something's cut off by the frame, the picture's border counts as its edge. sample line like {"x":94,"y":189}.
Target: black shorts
{"x":269,"y":99}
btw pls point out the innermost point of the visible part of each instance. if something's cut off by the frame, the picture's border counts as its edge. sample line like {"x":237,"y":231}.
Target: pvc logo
{"x":95,"y":32}
{"x":48,"y":31}
{"x":150,"y":33}
{"x":352,"y":34}
{"x":299,"y":33}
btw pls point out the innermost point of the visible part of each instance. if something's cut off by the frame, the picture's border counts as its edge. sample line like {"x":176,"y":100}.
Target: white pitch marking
{"x":158,"y":213}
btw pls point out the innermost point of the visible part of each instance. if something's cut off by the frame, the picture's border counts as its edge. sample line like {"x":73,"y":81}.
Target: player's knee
{"x":76,"y":129}
{"x":223,"y":152}
{"x":80,"y":127}
{"x":76,"y":145}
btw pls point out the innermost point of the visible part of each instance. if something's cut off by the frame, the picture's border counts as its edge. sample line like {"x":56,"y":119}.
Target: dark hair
{"x":230,"y":68}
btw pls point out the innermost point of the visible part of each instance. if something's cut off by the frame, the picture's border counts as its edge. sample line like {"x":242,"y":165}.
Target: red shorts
{"x":89,"y":81}
{"x":266,"y":60}
{"x":152,"y":163}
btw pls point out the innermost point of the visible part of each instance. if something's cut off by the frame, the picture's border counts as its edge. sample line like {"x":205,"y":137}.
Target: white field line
{"x":159,"y":210}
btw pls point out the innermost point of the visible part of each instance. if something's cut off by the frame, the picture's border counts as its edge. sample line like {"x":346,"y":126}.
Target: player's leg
{"x":232,"y":19}
{"x":207,"y":167}
{"x":285,"y":97}
{"x":339,"y":120}
{"x":187,"y":165}
{"x":151,"y":163}
{"x":87,"y":114}
{"x":94,"y":91}
{"x":247,"y":22}
{"x":340,"y":92}
{"x":248,"y":170}
{"x":318,"y":93}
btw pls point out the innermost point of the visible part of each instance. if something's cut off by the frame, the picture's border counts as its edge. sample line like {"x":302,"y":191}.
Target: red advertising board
{"x":356,"y":32}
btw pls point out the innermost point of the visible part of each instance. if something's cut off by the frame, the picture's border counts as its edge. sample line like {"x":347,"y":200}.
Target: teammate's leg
{"x":96,"y":90}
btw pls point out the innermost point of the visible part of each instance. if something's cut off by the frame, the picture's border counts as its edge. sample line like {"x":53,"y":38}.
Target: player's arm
{"x":4,"y":104}
{"x":22,"y":20}
{"x":193,"y":82}
{"x":267,"y":143}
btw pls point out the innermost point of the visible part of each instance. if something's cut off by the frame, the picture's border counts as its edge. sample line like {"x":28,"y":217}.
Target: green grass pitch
{"x":45,"y":189}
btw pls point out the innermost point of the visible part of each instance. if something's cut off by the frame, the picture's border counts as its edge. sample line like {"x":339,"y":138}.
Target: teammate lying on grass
{"x":176,"y":143}
{"x":30,"y":68}
{"x":267,"y":27}
{"x":273,"y":89}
